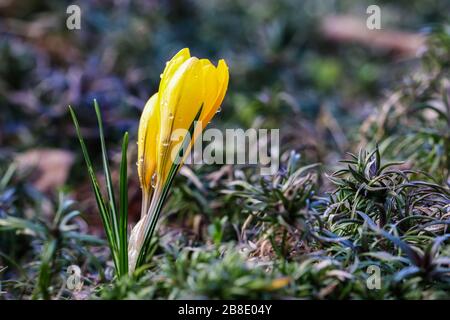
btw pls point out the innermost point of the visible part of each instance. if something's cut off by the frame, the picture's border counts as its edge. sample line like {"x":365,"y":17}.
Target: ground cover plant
{"x":358,"y":209}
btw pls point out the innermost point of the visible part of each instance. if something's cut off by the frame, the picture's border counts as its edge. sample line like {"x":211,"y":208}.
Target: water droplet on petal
{"x":219,"y":110}
{"x":154,"y":180}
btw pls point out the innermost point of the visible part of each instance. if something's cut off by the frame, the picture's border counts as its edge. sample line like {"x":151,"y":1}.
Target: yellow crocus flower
{"x":190,"y":89}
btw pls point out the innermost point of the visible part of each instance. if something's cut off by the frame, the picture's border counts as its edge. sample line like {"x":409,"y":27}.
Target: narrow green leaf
{"x":123,"y":207}
{"x":107,"y":172}
{"x":104,"y":214}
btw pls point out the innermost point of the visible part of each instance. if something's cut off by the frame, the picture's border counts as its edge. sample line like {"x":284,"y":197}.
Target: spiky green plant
{"x":51,"y":239}
{"x":279,"y":206}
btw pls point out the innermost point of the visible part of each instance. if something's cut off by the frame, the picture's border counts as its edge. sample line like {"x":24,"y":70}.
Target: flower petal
{"x":147,"y":138}
{"x":172,"y":66}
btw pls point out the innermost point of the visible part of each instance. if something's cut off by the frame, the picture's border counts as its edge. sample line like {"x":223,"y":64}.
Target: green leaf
{"x":123,"y":207}
{"x":107,"y":172}
{"x":102,"y":207}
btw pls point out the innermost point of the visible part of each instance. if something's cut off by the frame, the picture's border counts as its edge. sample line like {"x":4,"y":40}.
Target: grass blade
{"x":107,"y":171}
{"x":104,"y":214}
{"x":123,"y":207}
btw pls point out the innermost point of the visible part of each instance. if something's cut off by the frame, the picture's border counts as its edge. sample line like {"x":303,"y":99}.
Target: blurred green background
{"x":284,"y":67}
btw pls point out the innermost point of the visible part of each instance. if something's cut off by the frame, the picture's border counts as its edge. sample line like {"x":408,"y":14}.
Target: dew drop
{"x":154,"y":180}
{"x":171,"y":116}
{"x":219,"y":110}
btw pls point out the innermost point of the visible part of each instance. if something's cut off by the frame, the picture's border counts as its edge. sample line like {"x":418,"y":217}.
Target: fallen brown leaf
{"x":344,"y":28}
{"x":49,"y":168}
